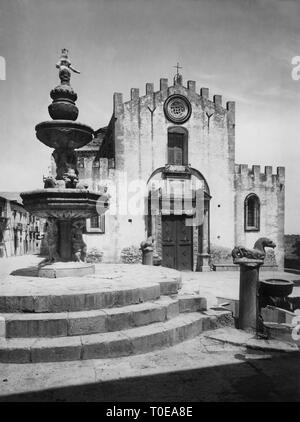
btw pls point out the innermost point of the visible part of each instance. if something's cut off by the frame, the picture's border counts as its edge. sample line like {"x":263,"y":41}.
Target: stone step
{"x":73,"y":295}
{"x":108,"y":345}
{"x":98,"y":321}
{"x":73,"y":302}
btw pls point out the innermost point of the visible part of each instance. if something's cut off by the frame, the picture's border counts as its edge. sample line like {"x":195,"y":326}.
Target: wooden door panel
{"x":184,"y":261}
{"x":183,"y":232}
{"x":168,"y":230}
{"x":168,"y":256}
{"x":176,"y":243}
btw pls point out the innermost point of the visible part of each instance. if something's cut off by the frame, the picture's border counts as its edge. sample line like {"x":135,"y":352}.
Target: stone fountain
{"x":64,"y":202}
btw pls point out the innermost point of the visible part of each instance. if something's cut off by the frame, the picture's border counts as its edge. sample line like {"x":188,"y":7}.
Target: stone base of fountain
{"x":121,"y":310}
{"x":66,"y":269}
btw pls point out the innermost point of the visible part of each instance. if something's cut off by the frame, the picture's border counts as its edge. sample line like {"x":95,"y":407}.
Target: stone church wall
{"x":292,"y":251}
{"x":141,"y":132}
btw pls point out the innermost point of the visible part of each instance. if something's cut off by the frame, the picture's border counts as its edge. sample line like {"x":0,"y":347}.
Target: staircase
{"x":98,"y":316}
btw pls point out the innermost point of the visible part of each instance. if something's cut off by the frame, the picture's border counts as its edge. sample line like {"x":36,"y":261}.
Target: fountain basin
{"x":275,"y":287}
{"x":64,"y":204}
{"x":64,"y":134}
{"x":66,"y":269}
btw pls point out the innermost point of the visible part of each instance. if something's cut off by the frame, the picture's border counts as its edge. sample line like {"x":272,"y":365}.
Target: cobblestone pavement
{"x":196,"y":370}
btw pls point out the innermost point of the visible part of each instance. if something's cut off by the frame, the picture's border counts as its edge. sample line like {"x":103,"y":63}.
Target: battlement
{"x":164,"y":86}
{"x":254,"y":173}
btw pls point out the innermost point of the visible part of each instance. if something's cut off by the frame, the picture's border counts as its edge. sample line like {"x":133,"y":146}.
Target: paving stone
{"x":230,"y":335}
{"x":169,"y":287}
{"x":36,"y":325}
{"x":86,"y":322}
{"x":56,"y":349}
{"x":173,"y":310}
{"x":16,"y":350}
{"x":147,"y":316}
{"x":272,"y":345}
{"x":145,"y":340}
{"x":192,"y":303}
{"x":97,"y":346}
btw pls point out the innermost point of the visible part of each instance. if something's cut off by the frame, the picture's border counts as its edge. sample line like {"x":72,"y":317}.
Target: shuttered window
{"x":176,"y":149}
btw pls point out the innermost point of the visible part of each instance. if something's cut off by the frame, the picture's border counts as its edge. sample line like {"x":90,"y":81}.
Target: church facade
{"x":167,"y":159}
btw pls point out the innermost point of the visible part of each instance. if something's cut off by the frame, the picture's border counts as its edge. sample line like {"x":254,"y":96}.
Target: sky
{"x":241,"y":49}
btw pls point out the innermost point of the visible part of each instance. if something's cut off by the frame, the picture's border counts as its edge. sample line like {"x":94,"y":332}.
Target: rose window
{"x":177,"y":108}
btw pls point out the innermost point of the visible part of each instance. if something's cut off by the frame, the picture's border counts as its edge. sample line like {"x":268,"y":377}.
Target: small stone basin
{"x":276,"y":287}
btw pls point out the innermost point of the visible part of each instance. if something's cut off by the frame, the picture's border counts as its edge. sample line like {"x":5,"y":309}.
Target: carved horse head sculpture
{"x":258,"y":252}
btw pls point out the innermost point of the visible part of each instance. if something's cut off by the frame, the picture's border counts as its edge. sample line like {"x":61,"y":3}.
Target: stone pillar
{"x":147,"y":251}
{"x":203,"y":255}
{"x":250,"y":261}
{"x":248,"y":294}
{"x":65,"y":240}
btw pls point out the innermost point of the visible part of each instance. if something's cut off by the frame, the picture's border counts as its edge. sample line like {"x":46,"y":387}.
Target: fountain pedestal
{"x":248,"y":293}
{"x":65,"y":240}
{"x":250,"y":261}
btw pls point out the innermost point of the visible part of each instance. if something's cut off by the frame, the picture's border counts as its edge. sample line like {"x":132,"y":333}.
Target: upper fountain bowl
{"x":65,"y":204}
{"x":63,"y":134}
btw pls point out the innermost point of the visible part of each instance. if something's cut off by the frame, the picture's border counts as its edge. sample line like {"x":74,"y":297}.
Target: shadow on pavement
{"x":250,"y":380}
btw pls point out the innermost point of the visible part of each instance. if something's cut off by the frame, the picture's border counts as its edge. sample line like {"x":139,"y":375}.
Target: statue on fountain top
{"x":64,"y":66}
{"x":63,"y":106}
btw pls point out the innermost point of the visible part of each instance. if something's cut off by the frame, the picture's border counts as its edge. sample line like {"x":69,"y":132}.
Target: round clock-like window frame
{"x":173,"y":106}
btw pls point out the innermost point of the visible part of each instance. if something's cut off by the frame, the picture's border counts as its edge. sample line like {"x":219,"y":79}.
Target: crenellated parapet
{"x":190,"y":90}
{"x":141,"y":121}
{"x":253,"y":175}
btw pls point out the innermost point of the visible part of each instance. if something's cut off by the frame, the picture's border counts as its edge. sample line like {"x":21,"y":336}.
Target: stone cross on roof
{"x":178,"y":76}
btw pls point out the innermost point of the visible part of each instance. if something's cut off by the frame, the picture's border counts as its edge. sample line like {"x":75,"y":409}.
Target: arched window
{"x":177,"y":146}
{"x":252,"y":213}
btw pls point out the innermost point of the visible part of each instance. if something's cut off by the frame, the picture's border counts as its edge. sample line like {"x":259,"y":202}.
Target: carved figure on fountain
{"x":71,"y":179}
{"x":66,"y":162}
{"x":49,"y":182}
{"x":82,"y":185}
{"x":52,"y":240}
{"x":78,"y":244}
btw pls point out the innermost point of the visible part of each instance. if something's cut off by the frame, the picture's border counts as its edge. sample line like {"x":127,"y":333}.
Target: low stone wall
{"x":131,"y":255}
{"x":221,"y":260}
{"x":292,"y":251}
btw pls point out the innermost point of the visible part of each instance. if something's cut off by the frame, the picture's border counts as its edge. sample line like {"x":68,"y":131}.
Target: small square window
{"x":96,"y":224}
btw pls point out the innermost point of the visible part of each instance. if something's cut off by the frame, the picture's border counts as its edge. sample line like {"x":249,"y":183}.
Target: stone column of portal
{"x":203,"y":256}
{"x":248,"y":294}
